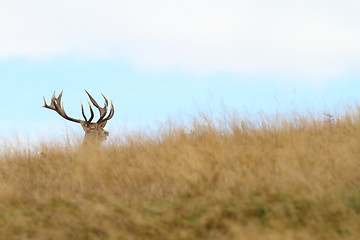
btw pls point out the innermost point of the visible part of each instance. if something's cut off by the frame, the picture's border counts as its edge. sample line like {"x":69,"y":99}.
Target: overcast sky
{"x":157,"y":59}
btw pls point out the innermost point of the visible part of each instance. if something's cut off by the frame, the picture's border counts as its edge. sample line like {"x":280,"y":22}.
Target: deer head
{"x":94,"y":131}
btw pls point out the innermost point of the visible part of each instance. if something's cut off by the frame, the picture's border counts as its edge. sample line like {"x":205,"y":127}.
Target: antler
{"x":102,"y":110}
{"x":57,"y":106}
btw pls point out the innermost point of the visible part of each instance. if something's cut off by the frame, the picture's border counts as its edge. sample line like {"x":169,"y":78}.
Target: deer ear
{"x":102,"y":124}
{"x":84,"y":125}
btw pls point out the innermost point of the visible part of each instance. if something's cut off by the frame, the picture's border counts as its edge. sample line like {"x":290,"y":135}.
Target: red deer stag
{"x":94,"y":131}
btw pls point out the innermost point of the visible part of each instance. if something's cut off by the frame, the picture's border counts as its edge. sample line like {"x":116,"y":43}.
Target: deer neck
{"x":92,"y":140}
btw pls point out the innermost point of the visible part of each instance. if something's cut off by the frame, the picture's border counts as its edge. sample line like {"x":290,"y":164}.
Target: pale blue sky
{"x":158,"y":59}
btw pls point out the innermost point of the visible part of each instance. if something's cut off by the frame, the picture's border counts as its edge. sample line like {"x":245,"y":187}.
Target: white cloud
{"x":317,"y":39}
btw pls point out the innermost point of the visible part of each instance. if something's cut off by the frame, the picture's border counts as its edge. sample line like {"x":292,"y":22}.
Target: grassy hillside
{"x":235,"y":179}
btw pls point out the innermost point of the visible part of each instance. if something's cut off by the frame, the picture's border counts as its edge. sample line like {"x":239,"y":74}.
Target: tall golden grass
{"x":295,"y":178}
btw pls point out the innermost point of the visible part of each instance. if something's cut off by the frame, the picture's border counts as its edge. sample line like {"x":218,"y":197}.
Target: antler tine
{"x":91,"y":112}
{"x":51,"y":106}
{"x":102,"y":110}
{"x":82,"y":112}
{"x":45,"y":104}
{"x":106,"y":101}
{"x":92,"y":100}
{"x":57,"y":107}
{"x":59,"y":97}
{"x":111,"y":113}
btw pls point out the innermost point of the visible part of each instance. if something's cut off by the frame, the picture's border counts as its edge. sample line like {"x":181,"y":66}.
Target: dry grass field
{"x":231,"y":179}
